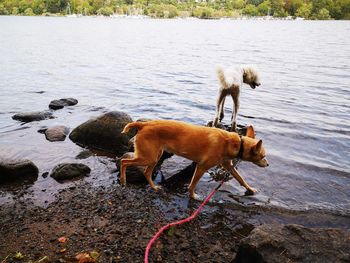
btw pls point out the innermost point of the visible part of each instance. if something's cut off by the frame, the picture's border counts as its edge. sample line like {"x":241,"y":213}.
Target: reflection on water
{"x":166,"y":69}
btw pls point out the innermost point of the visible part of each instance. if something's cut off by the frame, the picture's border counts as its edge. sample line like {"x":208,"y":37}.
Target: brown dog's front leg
{"x":198,"y":173}
{"x":229,"y":167}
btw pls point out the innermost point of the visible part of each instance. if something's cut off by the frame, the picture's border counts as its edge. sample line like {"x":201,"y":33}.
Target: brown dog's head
{"x":251,"y":77}
{"x":253,"y":150}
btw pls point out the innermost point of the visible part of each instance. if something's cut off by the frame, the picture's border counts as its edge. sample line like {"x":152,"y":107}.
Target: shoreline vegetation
{"x":203,"y":9}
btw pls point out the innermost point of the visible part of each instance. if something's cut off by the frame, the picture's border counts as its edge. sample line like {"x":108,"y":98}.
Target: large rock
{"x":294,"y":243}
{"x":56,"y":133}
{"x":175,"y":166}
{"x":33,"y":116}
{"x":15,"y":170}
{"x":69,"y":171}
{"x":104,"y":133}
{"x":61,"y":103}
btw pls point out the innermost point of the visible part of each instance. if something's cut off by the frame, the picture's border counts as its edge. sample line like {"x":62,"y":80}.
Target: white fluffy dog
{"x":231,"y":80}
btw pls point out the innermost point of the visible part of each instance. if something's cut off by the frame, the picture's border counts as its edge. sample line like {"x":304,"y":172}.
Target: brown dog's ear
{"x":250,"y":132}
{"x":257,"y":147}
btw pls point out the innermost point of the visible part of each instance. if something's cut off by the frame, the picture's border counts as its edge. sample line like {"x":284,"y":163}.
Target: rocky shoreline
{"x":111,"y":223}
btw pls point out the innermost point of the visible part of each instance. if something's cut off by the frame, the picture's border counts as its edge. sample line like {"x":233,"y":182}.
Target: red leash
{"x":180,"y":222}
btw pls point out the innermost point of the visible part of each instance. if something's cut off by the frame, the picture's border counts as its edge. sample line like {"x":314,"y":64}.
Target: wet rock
{"x":84,"y":154}
{"x":294,"y":243}
{"x":175,"y":165}
{"x":104,"y":133}
{"x":14,"y":170}
{"x":33,"y":116}
{"x":61,"y":103}
{"x":56,"y":133}
{"x":68,"y":171}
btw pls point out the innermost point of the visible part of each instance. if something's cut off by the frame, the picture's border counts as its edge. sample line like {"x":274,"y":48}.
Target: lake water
{"x":165,"y":69}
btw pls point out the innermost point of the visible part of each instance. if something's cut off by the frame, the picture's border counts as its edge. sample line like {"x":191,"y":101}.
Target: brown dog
{"x":206,"y":146}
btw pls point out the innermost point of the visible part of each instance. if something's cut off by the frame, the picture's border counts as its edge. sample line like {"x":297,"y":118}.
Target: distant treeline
{"x":308,"y":9}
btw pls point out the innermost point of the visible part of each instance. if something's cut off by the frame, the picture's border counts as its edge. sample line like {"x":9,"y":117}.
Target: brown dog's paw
{"x":157,"y":187}
{"x":196,"y":197}
{"x":122,"y":182}
{"x":250,"y":191}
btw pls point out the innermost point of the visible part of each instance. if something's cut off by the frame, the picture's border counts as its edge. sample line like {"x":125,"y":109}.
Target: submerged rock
{"x":104,"y":133}
{"x":56,"y":133}
{"x":33,"y":116}
{"x":61,"y":103}
{"x":69,"y":171}
{"x":293,"y":243}
{"x":15,"y":170}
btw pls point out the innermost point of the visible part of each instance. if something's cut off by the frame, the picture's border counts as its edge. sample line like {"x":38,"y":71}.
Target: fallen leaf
{"x":85,"y":258}
{"x":43,"y":259}
{"x":62,"y":239}
{"x":18,"y":255}
{"x":94,"y":254}
{"x":63,"y":250}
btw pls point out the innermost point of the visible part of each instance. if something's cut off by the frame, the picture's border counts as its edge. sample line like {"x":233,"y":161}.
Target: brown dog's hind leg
{"x":229,"y":167}
{"x":148,"y":174}
{"x":124,"y":163}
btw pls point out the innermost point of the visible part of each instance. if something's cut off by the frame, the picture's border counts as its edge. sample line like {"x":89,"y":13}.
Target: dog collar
{"x":240,"y":152}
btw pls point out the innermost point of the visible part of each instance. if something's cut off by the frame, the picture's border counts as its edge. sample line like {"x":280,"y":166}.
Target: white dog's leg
{"x":221,"y":112}
{"x":235,"y":98}
{"x":219,"y":106}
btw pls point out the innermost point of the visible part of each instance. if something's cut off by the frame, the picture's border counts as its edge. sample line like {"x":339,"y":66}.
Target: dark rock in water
{"x":134,"y":174}
{"x":68,"y":171}
{"x":15,"y":170}
{"x":56,"y":133}
{"x":294,"y":243}
{"x":84,"y":154}
{"x":43,"y":129}
{"x":33,"y":116}
{"x":61,"y":103}
{"x":104,"y":133}
{"x":241,"y":129}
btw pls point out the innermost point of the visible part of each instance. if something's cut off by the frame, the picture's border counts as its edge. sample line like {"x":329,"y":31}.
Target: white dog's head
{"x":251,"y":77}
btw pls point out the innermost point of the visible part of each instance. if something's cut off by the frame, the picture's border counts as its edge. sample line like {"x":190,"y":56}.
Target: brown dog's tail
{"x":221,"y":76}
{"x":138,"y":125}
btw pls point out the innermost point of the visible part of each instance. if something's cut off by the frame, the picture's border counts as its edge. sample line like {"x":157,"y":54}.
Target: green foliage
{"x":304,"y":11}
{"x":309,"y":9}
{"x":28,"y":12}
{"x":264,"y":8}
{"x":250,"y":10}
{"x":105,"y":11}
{"x":322,"y":14}
{"x":203,"y":12}
{"x":15,"y":11}
{"x":3,"y":10}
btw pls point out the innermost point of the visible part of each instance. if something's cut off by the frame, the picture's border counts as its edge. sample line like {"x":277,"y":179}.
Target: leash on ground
{"x":180,"y":222}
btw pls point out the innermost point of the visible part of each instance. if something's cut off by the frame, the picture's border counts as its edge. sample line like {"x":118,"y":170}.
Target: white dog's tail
{"x":221,"y":76}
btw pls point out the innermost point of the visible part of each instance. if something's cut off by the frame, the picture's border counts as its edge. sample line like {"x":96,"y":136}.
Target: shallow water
{"x":166,"y":69}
